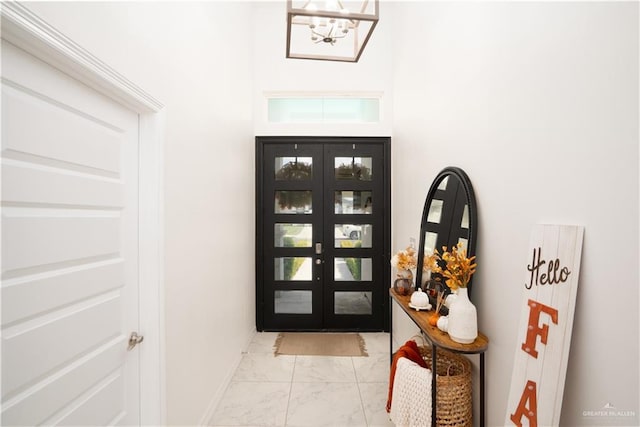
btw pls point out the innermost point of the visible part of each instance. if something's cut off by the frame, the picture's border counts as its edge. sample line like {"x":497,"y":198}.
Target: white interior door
{"x":69,"y":250}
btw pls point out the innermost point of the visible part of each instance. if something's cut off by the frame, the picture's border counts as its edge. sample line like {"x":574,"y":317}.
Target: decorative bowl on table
{"x":402,"y":286}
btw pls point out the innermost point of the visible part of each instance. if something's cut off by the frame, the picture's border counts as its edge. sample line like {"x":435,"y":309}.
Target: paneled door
{"x":323,"y":232}
{"x":69,"y":250}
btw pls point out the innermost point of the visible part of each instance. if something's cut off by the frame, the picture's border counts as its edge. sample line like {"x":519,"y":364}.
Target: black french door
{"x":322,"y":233}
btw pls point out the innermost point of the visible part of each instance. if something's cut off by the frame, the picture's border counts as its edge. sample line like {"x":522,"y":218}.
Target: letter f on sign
{"x":534,"y":329}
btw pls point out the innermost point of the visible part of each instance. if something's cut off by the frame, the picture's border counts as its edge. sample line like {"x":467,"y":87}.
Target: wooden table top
{"x":435,"y":335}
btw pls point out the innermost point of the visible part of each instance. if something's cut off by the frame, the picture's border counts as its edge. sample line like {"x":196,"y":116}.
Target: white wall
{"x":538,"y":102}
{"x":184,"y":55}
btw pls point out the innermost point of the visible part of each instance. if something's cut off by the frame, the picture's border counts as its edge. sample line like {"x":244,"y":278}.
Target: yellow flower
{"x":458,"y":269}
{"x":405,"y":259}
{"x":430,"y":262}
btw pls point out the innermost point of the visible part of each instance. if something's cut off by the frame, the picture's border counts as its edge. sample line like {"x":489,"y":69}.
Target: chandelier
{"x":332,"y":30}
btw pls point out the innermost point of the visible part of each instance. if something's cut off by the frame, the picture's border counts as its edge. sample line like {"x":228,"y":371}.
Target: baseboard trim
{"x":207,"y":417}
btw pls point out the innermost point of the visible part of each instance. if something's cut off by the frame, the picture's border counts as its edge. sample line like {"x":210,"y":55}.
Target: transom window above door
{"x":327,"y":108}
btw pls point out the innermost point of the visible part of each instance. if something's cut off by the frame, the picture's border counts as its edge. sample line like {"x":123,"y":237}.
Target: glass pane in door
{"x":351,"y":302}
{"x":293,"y":202}
{"x":294,"y":168}
{"x":292,"y":268}
{"x":353,"y":202}
{"x":292,"y":235}
{"x":353,"y":235}
{"x":293,"y":302}
{"x":352,"y":269}
{"x":353,"y":168}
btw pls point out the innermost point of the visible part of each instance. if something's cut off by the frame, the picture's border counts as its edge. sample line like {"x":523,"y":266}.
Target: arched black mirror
{"x":449,"y":217}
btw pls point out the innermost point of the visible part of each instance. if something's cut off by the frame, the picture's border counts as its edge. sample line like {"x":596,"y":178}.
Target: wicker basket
{"x":454,"y":406}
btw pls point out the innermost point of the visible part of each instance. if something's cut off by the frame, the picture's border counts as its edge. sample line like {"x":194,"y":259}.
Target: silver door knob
{"x":134,"y":340}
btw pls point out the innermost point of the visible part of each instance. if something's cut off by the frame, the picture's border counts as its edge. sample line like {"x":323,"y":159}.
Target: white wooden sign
{"x":544,"y":336}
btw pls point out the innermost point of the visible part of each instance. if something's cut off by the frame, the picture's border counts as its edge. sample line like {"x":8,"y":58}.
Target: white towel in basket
{"x":411,"y":404}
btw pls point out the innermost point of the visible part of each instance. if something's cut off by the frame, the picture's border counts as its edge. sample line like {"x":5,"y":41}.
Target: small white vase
{"x":463,"y":319}
{"x":450,"y":299}
{"x":442,"y":324}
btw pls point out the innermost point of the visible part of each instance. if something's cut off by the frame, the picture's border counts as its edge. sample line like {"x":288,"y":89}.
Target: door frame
{"x":261,"y":141}
{"x":27,"y":31}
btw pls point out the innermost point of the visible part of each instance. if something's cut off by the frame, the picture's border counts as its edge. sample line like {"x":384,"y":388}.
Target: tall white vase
{"x":463,"y":319}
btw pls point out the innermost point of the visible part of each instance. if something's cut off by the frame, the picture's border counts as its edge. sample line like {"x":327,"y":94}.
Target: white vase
{"x":463,"y":319}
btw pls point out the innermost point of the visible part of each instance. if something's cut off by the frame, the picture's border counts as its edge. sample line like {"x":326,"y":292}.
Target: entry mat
{"x":320,"y":344}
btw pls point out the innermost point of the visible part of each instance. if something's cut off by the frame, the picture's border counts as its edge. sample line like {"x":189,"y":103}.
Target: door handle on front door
{"x":319,"y":252}
{"x":319,"y":261}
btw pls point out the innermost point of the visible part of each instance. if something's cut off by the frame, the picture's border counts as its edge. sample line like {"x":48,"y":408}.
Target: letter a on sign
{"x":549,"y":285}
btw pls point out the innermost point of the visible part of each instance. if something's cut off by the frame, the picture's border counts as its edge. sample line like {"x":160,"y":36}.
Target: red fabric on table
{"x":411,"y":352}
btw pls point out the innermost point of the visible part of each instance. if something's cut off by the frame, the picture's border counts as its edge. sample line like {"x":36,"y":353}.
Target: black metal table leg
{"x":482,"y":414}
{"x":390,"y":330}
{"x":433,"y":385}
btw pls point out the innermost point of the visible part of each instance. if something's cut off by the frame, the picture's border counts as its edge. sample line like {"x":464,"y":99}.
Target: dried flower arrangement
{"x":430,"y":262}
{"x":458,"y":268}
{"x":405,"y":259}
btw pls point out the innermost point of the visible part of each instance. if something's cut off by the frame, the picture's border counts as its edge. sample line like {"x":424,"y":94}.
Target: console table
{"x":437,"y":338}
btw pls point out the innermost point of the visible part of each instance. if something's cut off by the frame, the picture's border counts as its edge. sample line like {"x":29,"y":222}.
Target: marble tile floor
{"x":307,"y":390}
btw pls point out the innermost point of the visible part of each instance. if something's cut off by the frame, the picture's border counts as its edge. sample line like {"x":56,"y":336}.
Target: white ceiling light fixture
{"x":331,"y":30}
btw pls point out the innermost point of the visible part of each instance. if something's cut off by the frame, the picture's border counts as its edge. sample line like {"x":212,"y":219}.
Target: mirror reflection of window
{"x":435,"y":211}
{"x":464,"y":243}
{"x":443,"y":184}
{"x":465,"y":217}
{"x":430,"y":240}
